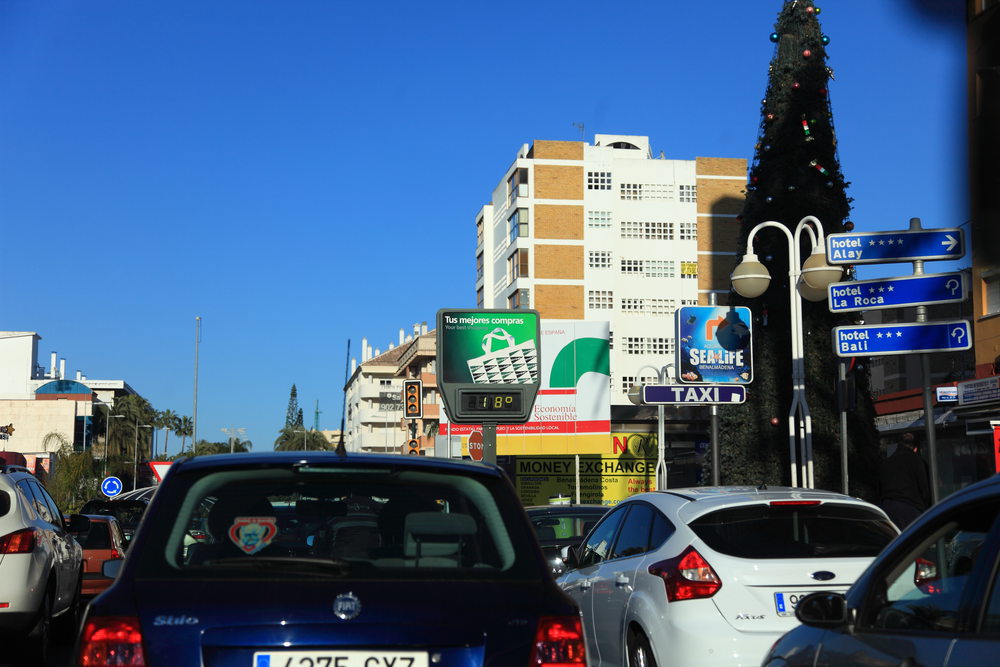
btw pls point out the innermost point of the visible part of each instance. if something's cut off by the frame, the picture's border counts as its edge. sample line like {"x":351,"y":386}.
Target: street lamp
{"x":305,"y":445}
{"x":107,"y":430}
{"x":135,"y":464}
{"x":636,"y":391}
{"x":811,"y":278}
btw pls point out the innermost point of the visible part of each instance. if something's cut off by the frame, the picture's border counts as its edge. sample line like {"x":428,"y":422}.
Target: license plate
{"x":785,"y":603}
{"x":339,"y":659}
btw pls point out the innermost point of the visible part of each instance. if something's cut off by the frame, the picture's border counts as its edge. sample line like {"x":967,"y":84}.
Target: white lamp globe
{"x":750,"y":278}
{"x":810,"y":293}
{"x":817,"y":273}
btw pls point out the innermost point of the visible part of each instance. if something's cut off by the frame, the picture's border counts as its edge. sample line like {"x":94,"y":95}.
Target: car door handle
{"x":586,"y":584}
{"x":621,"y":579}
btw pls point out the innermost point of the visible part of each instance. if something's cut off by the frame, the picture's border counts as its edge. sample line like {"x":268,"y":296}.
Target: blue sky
{"x":288,"y":171}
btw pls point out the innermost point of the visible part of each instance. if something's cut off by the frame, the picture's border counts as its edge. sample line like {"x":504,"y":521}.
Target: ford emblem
{"x":823,"y":575}
{"x":346,"y":606}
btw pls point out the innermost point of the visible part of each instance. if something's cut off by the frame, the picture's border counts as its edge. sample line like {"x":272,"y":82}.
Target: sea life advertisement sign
{"x":714,"y":345}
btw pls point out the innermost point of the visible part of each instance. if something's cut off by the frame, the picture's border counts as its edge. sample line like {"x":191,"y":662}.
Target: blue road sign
{"x":872,"y":340}
{"x":897,"y":292}
{"x":900,"y":246}
{"x":111,"y":486}
{"x":668,"y":394}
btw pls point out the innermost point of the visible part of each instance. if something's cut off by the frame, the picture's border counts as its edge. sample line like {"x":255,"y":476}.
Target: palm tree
{"x":167,"y":420}
{"x":292,"y":438}
{"x":185,"y":429}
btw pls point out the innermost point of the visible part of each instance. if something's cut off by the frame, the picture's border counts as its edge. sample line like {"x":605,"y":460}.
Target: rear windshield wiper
{"x":279,"y":565}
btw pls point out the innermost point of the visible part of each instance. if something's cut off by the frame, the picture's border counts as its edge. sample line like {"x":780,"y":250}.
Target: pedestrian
{"x":904,"y":483}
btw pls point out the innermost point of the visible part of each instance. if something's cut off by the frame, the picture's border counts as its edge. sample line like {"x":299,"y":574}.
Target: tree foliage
{"x":795,"y":173}
{"x":73,"y":480}
{"x":298,"y":438}
{"x":292,"y":413}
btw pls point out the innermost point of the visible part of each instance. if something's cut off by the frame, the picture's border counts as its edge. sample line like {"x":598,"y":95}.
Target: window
{"x":519,"y":299}
{"x":654,"y":231}
{"x":479,"y":298}
{"x":599,"y":219}
{"x":517,"y":224}
{"x":600,"y":299}
{"x":686,"y":193}
{"x":633,"y":266}
{"x":634,"y":538}
{"x":479,"y":266}
{"x":648,"y":306}
{"x":479,"y":232}
{"x":599,"y":259}
{"x":631,"y":191}
{"x":689,"y":269}
{"x":598,"y":545}
{"x":517,"y":186}
{"x":658,"y":268}
{"x":991,"y":292}
{"x":517,"y":264}
{"x":632,"y":306}
{"x":598,"y":180}
{"x":648,"y":345}
{"x":922,"y":592}
{"x":687,"y":231}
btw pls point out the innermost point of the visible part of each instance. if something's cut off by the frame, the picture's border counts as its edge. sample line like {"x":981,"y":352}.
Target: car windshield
{"x":795,"y":531}
{"x":339,"y":522}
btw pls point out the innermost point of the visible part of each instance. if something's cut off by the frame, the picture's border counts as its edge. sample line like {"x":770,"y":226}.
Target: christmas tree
{"x":796,"y":173}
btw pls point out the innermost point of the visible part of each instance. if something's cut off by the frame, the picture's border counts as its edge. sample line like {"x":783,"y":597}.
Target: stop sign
{"x":476,"y":446}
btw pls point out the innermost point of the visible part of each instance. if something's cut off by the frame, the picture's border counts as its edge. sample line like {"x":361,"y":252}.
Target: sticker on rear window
{"x":253,"y":533}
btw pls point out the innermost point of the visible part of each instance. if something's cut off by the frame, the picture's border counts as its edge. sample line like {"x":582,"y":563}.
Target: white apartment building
{"x":608,"y":232}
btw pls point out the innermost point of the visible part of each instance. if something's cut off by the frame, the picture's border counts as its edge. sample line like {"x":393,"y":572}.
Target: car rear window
{"x":4,"y":503}
{"x":795,"y":531}
{"x":362,"y":523}
{"x":97,"y":537}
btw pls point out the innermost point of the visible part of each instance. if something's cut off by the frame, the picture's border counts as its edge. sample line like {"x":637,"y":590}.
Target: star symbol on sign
{"x":881,"y":289}
{"x":881,"y":241}
{"x":871,"y":290}
{"x":891,"y":241}
{"x":899,"y":334}
{"x":878,"y":335}
{"x":872,"y":242}
{"x":891,"y":287}
{"x":899,"y":241}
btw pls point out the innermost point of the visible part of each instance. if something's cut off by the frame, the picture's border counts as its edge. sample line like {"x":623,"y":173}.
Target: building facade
{"x":607,"y":232}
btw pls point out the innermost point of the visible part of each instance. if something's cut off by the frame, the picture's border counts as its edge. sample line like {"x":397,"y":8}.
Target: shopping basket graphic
{"x":514,"y":364}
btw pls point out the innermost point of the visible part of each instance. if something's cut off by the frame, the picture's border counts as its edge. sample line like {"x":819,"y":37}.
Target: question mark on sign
{"x":952,"y":285}
{"x":959,"y":333}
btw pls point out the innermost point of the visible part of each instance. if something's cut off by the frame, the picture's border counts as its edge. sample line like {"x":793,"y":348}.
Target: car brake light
{"x":115,"y":554}
{"x":559,"y":642}
{"x":799,"y":503}
{"x":687,"y":576}
{"x":111,"y":641}
{"x":21,"y":541}
{"x":924,"y":575}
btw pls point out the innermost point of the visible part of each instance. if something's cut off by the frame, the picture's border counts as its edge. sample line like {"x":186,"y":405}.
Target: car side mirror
{"x":76,"y":523}
{"x":570,"y":559}
{"x":111,"y":568}
{"x":823,"y":610}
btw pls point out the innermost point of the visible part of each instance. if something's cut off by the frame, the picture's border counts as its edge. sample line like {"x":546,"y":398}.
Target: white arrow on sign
{"x":958,"y":333}
{"x":950,"y":243}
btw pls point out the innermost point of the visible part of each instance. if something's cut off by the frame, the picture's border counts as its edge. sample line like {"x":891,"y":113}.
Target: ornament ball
{"x":829,"y":184}
{"x":791,"y":188}
{"x":807,"y":53}
{"x":817,"y":10}
{"x":810,"y":10}
{"x":769,"y":199}
{"x":775,"y":37}
{"x":775,"y":421}
{"x":767,"y":147}
{"x":825,"y":40}
{"x":849,"y":226}
{"x":796,"y":85}
{"x":770,"y":117}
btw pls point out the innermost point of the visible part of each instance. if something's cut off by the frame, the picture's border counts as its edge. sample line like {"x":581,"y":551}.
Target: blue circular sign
{"x":111,"y":486}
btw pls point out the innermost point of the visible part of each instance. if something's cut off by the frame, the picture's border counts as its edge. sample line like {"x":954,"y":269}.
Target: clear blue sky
{"x":282,"y":169}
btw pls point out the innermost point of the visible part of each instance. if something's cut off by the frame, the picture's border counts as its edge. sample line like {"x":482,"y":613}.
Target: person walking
{"x":904,"y":483}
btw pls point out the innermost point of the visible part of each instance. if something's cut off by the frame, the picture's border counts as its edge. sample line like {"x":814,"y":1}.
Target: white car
{"x":40,"y":567}
{"x":711,"y":576}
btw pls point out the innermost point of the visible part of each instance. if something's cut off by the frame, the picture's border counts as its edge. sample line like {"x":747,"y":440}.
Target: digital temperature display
{"x":491,"y":402}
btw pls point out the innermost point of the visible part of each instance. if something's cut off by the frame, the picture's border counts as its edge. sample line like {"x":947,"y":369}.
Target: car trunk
{"x":760,"y":595}
{"x":421,"y":615}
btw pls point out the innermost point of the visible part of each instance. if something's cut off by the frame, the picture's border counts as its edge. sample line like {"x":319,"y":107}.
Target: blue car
{"x":314,"y":559}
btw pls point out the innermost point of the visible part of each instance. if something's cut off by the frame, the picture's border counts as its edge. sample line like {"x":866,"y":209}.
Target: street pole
{"x":194,"y":418}
{"x":660,"y":480}
{"x":713,"y":427}
{"x":925,"y":371}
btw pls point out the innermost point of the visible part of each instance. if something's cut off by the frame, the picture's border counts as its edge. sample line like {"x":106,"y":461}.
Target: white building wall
{"x":655,"y":291}
{"x":18,"y":355}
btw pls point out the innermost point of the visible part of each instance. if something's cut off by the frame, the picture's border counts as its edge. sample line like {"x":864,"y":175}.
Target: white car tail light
{"x":21,"y":541}
{"x":687,"y":576}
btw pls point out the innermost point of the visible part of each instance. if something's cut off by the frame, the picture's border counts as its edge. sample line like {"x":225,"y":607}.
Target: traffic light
{"x":413,"y":402}
{"x":413,"y":447}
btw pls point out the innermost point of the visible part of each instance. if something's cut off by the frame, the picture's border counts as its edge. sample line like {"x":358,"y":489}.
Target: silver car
{"x":711,"y":576}
{"x":40,"y":567}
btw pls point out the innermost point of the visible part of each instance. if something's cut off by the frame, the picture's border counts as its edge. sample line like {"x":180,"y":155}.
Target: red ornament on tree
{"x":849,"y":226}
{"x":775,"y":421}
{"x":796,"y":85}
{"x":807,"y":53}
{"x":809,"y":10}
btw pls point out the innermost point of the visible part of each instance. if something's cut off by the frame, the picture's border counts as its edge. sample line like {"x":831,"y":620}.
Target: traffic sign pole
{"x":925,"y":370}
